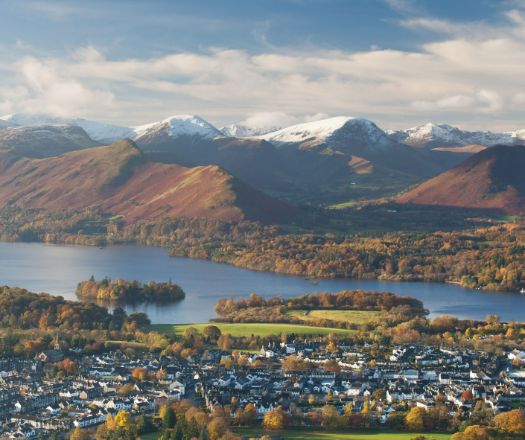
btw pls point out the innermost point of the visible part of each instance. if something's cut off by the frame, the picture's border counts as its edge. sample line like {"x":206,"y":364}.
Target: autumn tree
{"x":126,"y":390}
{"x":212,"y":332}
{"x":512,"y":422}
{"x":293,"y":363}
{"x":167,"y":415}
{"x":330,"y":416}
{"x":474,"y":432}
{"x":80,"y":434}
{"x":248,"y":415}
{"x":415,"y":419}
{"x":68,"y":366}
{"x":217,"y":427}
{"x":139,"y":374}
{"x":274,"y":420}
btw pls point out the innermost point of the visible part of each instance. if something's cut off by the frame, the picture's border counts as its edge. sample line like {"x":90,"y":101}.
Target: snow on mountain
{"x":518,"y":136}
{"x":177,"y":126}
{"x":98,"y":131}
{"x":242,"y":130}
{"x":172,"y":127}
{"x":336,"y":132}
{"x":44,"y":140}
{"x":442,"y":135}
{"x":102,"y":132}
{"x":333,"y":132}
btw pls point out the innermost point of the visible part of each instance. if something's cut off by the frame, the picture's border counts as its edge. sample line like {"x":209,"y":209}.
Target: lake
{"x":57,"y":269}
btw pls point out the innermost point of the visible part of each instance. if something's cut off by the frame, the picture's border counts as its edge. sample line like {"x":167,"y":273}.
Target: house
{"x":177,"y":386}
{"x":87,"y":420}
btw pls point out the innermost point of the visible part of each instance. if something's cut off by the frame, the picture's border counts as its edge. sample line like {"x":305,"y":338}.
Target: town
{"x":60,"y":390}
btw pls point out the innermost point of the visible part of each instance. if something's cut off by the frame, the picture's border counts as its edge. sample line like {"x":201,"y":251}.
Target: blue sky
{"x":149,"y":28}
{"x":398,"y":62}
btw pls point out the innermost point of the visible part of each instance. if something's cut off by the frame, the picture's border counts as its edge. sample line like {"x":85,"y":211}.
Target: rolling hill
{"x":492,"y":178}
{"x":121,"y":180}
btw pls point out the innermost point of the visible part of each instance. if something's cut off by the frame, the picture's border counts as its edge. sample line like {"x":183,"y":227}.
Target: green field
{"x":354,"y":316}
{"x":248,"y":329}
{"x":320,"y":435}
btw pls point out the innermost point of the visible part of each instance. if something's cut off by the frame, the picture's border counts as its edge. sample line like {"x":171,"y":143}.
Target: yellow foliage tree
{"x":512,"y":422}
{"x":80,"y":434}
{"x":274,"y":420}
{"x":415,"y":419}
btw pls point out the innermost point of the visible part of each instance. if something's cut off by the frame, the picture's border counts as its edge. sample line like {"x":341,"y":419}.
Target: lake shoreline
{"x":250,"y":268}
{"x":57,"y":269}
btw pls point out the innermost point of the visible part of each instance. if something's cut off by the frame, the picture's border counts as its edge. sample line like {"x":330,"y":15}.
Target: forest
{"x":125,"y":291}
{"x":22,"y":309}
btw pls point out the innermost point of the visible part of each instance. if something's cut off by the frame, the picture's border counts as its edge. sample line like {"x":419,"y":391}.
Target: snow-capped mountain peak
{"x":518,"y":136}
{"x":179,"y":125}
{"x":338,"y":132}
{"x":242,"y":130}
{"x":320,"y":130}
{"x":98,"y":131}
{"x":440,"y":135}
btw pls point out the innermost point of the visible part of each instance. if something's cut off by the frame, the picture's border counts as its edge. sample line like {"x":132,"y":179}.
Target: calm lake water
{"x":57,"y":269}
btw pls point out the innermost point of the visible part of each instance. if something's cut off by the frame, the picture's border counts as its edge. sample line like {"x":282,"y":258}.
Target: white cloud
{"x":268,"y":120}
{"x":483,"y":101}
{"x":448,"y":27}
{"x":466,"y":75}
{"x":43,"y":88}
{"x":519,"y":98}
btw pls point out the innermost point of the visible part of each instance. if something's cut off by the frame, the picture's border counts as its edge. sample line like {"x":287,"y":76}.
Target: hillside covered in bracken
{"x":121,"y":181}
{"x":493,"y":178}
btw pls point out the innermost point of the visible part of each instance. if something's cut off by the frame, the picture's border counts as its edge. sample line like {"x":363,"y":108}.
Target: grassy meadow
{"x":248,"y":329}
{"x":353,"y":316}
{"x":293,"y":434}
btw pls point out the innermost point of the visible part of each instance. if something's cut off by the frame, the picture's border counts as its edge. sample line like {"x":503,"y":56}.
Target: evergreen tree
{"x":193,"y":428}
{"x":178,"y":433}
{"x":168,"y":417}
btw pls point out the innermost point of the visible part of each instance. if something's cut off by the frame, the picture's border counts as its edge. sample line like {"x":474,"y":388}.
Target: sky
{"x":264,"y":63}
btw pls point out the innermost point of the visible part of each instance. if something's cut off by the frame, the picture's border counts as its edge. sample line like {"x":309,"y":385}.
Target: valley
{"x":262,"y":220}
{"x":339,"y":212}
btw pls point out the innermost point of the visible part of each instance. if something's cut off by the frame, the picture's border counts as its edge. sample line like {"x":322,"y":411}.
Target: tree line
{"x":488,"y":257}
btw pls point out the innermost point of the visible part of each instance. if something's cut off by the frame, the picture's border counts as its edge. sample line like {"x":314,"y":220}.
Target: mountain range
{"x":427,"y":135}
{"x":442,"y":135}
{"x":320,"y":162}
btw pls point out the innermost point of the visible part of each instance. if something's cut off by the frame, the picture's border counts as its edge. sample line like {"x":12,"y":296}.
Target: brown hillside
{"x":492,"y":178}
{"x":118,"y":179}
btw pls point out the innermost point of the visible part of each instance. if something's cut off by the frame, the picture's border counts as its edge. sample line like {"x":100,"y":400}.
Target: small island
{"x":129,"y":291}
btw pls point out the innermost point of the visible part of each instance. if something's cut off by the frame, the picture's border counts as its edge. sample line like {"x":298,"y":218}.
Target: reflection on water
{"x":57,"y":269}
